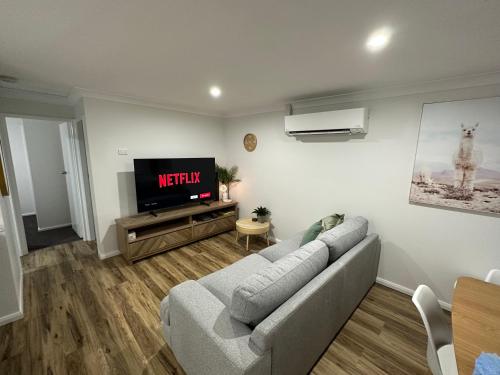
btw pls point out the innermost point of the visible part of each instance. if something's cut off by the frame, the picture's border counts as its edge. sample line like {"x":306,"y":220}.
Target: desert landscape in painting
{"x":458,"y":156}
{"x":441,"y":191}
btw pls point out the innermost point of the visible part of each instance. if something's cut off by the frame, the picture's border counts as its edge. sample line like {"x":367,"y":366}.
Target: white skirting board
{"x":11,"y":318}
{"x":109,"y":255}
{"x":17,"y":314}
{"x":408,"y":291}
{"x":54,"y":227}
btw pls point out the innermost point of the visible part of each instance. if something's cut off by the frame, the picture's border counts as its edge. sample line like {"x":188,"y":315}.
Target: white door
{"x":70,"y":173}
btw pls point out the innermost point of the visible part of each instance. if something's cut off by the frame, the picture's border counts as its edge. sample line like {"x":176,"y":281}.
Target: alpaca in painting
{"x":467,"y":159}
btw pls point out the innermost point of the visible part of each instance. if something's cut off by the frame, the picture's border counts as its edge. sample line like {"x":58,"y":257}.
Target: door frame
{"x":79,"y":161}
{"x":14,"y":208}
{"x":71,"y":176}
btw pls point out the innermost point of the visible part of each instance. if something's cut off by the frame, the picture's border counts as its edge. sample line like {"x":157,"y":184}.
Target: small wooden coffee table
{"x":248,"y":227}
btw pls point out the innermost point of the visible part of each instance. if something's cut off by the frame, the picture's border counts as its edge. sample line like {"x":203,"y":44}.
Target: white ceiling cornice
{"x":34,"y":95}
{"x":447,"y":84}
{"x":78,"y":92}
{"x":453,"y":83}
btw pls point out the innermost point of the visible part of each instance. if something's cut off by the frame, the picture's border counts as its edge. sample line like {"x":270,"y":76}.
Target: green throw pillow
{"x":321,"y":226}
{"x":331,"y":221}
{"x":311,"y":233}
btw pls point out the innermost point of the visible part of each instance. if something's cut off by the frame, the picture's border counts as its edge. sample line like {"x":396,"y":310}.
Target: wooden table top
{"x":475,"y":315}
{"x":247,"y":226}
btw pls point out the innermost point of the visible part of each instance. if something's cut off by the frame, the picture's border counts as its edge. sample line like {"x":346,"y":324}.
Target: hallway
{"x":39,"y":240}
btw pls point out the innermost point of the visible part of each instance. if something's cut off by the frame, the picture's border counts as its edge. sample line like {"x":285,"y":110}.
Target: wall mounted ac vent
{"x":345,"y":121}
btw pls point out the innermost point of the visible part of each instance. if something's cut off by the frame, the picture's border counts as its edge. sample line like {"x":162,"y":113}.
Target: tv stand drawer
{"x":156,"y":244}
{"x":214,"y":226}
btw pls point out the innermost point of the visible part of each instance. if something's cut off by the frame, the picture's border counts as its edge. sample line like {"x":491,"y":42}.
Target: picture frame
{"x":457,"y":161}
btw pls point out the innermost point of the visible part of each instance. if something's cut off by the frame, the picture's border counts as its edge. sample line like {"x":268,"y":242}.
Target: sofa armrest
{"x":301,"y":310}
{"x":204,"y":337}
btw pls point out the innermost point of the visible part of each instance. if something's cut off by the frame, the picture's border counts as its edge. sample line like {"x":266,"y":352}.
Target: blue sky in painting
{"x":440,"y":132}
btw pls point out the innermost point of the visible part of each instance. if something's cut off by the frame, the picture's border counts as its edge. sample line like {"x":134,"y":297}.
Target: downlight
{"x":378,"y":40}
{"x":215,"y":91}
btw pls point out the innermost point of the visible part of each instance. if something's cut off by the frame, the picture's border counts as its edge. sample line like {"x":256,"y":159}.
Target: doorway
{"x":44,"y":162}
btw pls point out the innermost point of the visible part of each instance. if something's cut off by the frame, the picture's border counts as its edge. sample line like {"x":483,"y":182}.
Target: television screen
{"x":162,"y":183}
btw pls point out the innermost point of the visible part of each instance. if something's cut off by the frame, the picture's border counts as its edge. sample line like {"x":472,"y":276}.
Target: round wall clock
{"x":250,"y":142}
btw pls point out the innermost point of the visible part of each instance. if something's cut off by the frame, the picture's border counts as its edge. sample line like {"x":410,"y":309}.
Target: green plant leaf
{"x":227,"y":176}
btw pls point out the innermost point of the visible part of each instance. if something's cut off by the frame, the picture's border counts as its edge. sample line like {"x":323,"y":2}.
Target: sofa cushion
{"x":261,"y":293}
{"x":311,"y":233}
{"x":222,"y":282}
{"x":331,"y":221}
{"x":344,"y":236}
{"x":283,"y":248}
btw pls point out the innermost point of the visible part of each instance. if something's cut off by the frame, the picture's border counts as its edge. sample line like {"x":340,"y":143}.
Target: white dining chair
{"x":493,"y":277}
{"x":440,"y":350}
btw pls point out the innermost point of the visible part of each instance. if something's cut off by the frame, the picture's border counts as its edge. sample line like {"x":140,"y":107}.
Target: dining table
{"x":475,"y":319}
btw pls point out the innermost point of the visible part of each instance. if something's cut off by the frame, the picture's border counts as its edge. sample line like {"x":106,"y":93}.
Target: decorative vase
{"x":261,"y":219}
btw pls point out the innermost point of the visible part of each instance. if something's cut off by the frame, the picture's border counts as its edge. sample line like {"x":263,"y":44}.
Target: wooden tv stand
{"x":173,"y":228}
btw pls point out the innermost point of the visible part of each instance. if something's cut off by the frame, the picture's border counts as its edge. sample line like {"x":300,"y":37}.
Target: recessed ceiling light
{"x":215,"y":91}
{"x":379,"y":39}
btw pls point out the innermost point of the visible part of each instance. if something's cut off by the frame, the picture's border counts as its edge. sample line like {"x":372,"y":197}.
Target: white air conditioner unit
{"x":345,"y":121}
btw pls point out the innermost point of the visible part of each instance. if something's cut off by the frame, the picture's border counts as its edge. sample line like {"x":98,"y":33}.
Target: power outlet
{"x":122,"y":151}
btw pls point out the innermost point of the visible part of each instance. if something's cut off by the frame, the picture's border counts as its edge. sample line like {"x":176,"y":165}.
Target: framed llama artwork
{"x":457,"y":163}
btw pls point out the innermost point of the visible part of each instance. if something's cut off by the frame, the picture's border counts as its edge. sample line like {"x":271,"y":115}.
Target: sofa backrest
{"x":343,"y":237}
{"x":261,"y":293}
{"x":301,"y":328}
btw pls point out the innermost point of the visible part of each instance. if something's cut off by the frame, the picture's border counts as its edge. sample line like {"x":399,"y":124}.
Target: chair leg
{"x":267,"y":238}
{"x":237,"y":236}
{"x":248,"y":236}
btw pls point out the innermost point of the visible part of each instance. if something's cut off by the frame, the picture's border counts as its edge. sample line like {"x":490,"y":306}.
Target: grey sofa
{"x":207,"y":339}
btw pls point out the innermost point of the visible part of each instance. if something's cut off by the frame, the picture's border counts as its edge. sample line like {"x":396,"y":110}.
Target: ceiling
{"x":260,"y":52}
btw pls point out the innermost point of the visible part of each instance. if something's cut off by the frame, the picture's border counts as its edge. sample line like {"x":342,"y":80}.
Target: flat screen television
{"x":162,"y":183}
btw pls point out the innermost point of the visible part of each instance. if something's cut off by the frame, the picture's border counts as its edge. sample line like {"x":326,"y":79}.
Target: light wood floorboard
{"x":87,"y":316}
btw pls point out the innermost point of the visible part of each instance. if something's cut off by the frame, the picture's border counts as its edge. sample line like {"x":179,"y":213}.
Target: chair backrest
{"x":493,"y":277}
{"x":436,"y":325}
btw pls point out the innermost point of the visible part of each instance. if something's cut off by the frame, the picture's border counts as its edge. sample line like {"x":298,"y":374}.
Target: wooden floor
{"x":86,"y":316}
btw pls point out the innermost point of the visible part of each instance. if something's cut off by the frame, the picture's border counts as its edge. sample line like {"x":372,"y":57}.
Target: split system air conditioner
{"x":346,"y":121}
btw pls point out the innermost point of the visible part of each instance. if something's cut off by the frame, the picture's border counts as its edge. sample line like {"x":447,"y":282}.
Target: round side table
{"x":248,"y":227}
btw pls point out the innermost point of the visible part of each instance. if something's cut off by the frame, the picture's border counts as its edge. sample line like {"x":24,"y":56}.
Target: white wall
{"x":22,"y":169}
{"x":147,"y":133}
{"x":46,"y":161}
{"x":303,"y":181}
{"x":11,"y":299}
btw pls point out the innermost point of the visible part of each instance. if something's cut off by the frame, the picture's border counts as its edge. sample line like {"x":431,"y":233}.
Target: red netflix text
{"x":182,"y":178}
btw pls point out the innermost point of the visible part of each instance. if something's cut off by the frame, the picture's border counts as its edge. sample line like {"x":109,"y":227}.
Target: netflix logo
{"x":182,"y":178}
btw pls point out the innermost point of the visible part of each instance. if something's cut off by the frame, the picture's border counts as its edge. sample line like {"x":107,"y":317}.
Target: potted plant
{"x":262,"y":213}
{"x":227,"y":176}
